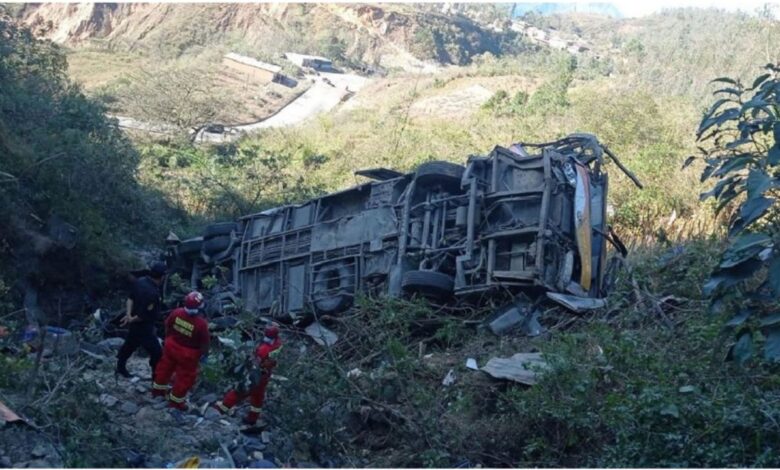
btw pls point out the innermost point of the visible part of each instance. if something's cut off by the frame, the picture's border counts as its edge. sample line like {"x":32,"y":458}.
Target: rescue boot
{"x":251,"y":418}
{"x":178,"y":406}
{"x":176,"y":402}
{"x":123,"y":372}
{"x":159,"y":391}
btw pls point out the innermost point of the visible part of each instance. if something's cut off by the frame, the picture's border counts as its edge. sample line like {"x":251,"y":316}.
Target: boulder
{"x":128,"y":408}
{"x":108,"y":400}
{"x":40,"y":451}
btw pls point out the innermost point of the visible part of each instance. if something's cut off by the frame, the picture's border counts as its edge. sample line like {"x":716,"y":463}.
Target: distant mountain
{"x":606,"y":9}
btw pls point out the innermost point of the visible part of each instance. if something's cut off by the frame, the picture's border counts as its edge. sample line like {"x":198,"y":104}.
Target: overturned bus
{"x":528,"y":221}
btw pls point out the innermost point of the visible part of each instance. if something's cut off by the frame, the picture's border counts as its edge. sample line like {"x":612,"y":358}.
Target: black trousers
{"x":145,"y":339}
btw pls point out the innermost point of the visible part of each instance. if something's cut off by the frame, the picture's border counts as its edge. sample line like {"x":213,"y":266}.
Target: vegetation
{"x":60,"y":156}
{"x":740,"y":138}
{"x":625,"y":387}
{"x":640,"y":383}
{"x":184,"y":98}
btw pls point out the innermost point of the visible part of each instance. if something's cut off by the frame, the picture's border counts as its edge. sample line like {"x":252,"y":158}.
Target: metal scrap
{"x":521,"y":368}
{"x":321,"y":335}
{"x":8,"y":415}
{"x":577,"y":304}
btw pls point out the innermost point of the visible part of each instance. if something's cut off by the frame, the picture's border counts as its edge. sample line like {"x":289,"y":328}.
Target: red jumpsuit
{"x":265,"y":355}
{"x":186,"y":340}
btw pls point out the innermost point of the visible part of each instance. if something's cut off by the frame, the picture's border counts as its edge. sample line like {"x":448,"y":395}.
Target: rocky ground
{"x":135,"y":417}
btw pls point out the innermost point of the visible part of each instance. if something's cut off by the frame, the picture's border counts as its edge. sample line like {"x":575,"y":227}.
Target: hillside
{"x":367,"y":34}
{"x":678,"y":369}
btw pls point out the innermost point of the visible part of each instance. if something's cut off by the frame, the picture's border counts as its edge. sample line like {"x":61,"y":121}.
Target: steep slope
{"x":346,"y":32}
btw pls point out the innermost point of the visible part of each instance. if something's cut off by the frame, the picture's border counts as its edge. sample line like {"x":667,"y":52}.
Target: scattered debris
{"x":471,"y":363}
{"x":321,"y":335}
{"x":108,"y":400}
{"x":8,"y":415}
{"x":191,"y":462}
{"x":265,"y":436}
{"x":577,"y":304}
{"x":112,"y":343}
{"x":354,"y":373}
{"x":449,"y":379}
{"x":517,"y":315}
{"x":521,"y":368}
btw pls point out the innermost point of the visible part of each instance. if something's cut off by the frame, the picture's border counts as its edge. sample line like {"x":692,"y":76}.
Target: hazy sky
{"x":639,"y":8}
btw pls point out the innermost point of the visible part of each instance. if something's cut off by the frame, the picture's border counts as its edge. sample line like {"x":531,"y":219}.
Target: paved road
{"x":327,"y":91}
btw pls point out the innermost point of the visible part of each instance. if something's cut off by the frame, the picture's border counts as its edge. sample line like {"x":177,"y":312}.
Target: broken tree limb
{"x":625,"y":170}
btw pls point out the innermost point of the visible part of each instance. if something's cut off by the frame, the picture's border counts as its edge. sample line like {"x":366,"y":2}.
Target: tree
{"x":61,"y":158}
{"x":740,"y":142}
{"x":185,"y":98}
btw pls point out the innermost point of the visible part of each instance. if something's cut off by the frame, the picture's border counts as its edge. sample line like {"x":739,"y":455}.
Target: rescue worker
{"x":142,"y":311}
{"x":264,"y":361}
{"x":186,"y":342}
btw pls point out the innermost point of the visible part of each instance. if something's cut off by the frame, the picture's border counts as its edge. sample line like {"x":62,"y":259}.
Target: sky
{"x":640,"y":8}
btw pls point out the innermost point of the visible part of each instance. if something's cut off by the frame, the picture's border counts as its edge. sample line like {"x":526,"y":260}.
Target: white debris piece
{"x":449,"y":379}
{"x":321,"y":335}
{"x":471,"y":363}
{"x":521,"y":368}
{"x":354,"y":373}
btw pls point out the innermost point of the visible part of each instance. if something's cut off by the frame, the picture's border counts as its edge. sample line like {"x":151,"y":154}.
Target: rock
{"x":40,"y":451}
{"x":5,"y":462}
{"x":108,"y":400}
{"x":211,"y":397}
{"x":38,"y":463}
{"x":261,"y":464}
{"x":212,"y":414}
{"x":217,"y":462}
{"x":257,"y":455}
{"x":266,"y":437}
{"x":128,"y":408}
{"x":135,"y":379}
{"x":159,"y":405}
{"x":141,"y":389}
{"x":253,"y":444}
{"x":145,"y":416}
{"x":239,"y":455}
{"x":111,"y":343}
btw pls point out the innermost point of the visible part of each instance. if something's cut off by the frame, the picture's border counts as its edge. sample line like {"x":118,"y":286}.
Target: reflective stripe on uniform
{"x":275,"y":352}
{"x":175,"y":399}
{"x":222,"y":407}
{"x":255,"y":409}
{"x":157,"y":386}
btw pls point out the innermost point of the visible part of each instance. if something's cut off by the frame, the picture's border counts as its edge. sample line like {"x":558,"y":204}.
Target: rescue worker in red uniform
{"x":186,"y":342}
{"x":264,"y":361}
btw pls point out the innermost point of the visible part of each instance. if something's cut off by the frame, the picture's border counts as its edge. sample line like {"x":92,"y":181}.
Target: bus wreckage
{"x":517,"y":227}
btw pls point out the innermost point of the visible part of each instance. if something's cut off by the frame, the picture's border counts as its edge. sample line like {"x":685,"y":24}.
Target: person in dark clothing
{"x":143,"y":309}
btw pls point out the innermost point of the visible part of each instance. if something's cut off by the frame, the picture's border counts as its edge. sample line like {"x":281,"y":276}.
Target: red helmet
{"x":193,"y":300}
{"x":271,"y":331}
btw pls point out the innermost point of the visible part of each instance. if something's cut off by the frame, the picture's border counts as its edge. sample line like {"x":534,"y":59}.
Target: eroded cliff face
{"x":368,"y":31}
